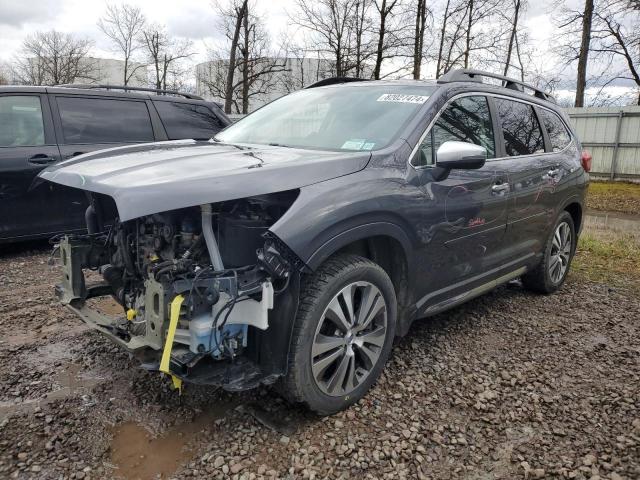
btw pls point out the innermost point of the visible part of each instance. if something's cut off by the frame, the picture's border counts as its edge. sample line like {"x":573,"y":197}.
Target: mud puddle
{"x":136,"y":455}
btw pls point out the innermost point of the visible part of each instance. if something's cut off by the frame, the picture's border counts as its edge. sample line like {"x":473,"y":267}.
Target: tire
{"x":546,"y":278}
{"x":332,"y":365}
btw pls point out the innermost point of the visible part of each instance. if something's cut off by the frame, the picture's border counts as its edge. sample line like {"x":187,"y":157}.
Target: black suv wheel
{"x":343,"y":334}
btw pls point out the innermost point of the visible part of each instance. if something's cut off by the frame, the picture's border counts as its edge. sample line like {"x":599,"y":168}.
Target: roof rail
{"x":469,"y":75}
{"x":158,"y":91}
{"x":335,"y":80}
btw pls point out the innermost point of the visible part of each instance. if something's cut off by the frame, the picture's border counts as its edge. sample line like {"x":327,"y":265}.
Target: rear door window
{"x":104,"y":120}
{"x":21,"y":122}
{"x":466,"y":119}
{"x":520,"y":127}
{"x":188,"y":120}
{"x":558,"y":133}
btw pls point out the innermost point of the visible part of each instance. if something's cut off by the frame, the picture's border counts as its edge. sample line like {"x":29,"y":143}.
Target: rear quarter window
{"x":520,"y":128}
{"x":188,"y":120}
{"x":558,"y":133}
{"x":104,"y":120}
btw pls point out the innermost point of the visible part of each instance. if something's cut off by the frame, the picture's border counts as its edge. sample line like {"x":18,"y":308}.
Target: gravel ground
{"x":511,"y":385}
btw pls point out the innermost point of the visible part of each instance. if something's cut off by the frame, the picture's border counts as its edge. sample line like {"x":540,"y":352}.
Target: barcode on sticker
{"x":402,"y":98}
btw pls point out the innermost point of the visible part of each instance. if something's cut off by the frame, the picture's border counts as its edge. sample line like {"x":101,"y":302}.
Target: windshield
{"x":335,"y":118}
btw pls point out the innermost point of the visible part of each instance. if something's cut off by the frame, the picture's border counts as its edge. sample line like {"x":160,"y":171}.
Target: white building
{"x":296,"y":74}
{"x":108,"y":71}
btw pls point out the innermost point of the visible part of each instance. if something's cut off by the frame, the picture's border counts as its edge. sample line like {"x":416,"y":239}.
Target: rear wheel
{"x":343,"y":334}
{"x":552,"y":271}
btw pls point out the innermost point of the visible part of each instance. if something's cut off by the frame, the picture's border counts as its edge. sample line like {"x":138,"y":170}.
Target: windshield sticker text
{"x":402,"y":98}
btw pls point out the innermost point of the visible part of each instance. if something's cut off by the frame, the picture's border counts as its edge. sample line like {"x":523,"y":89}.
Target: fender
{"x":360,"y":232}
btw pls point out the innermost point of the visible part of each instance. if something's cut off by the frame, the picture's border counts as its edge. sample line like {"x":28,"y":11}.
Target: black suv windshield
{"x":334,"y":118}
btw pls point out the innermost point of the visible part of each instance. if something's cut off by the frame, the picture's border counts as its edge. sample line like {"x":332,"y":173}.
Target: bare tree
{"x":165,"y":54}
{"x":421,"y":16}
{"x":517,"y":7}
{"x":392,"y":33}
{"x":585,"y":39}
{"x":616,"y":34}
{"x":54,"y":58}
{"x":468,"y":28}
{"x":253,"y":64}
{"x":232,"y":18}
{"x":332,"y":26}
{"x":4,"y":74}
{"x":362,"y":32}
{"x":124,"y":25}
{"x":259,"y":65}
{"x":573,"y":25}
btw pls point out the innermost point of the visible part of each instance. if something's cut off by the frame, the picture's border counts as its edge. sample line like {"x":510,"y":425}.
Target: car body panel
{"x":170,"y":175}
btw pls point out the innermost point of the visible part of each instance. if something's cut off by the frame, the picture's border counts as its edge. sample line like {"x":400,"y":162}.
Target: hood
{"x":152,"y":178}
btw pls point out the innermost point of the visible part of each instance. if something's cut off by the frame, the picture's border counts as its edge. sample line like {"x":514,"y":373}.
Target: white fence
{"x":612,"y":135}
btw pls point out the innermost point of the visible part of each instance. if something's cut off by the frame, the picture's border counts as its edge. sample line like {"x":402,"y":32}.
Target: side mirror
{"x":461,"y":155}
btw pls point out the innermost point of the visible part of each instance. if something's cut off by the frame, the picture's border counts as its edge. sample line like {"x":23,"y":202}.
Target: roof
{"x":106,"y":91}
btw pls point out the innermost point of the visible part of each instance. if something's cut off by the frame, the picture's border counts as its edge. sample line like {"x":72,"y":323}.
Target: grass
{"x":614,"y":197}
{"x":611,"y":260}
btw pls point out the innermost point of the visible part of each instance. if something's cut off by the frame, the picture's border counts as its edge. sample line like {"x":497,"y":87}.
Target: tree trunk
{"x":245,"y":66}
{"x":360,"y":17}
{"x":418,"y":43}
{"x":514,"y":29}
{"x":581,"y":81}
{"x":228,"y":95}
{"x":381,"y":34}
{"x":468,"y":40}
{"x":443,"y":32}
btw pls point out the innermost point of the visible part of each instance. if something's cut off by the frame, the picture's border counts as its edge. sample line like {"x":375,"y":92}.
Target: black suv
{"x":298,"y":244}
{"x":43,"y":125}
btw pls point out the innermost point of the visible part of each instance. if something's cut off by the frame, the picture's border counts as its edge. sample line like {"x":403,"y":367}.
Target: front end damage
{"x":206,"y":294}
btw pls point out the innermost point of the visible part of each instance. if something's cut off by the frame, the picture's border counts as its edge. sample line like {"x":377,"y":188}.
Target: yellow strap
{"x":168,"y":344}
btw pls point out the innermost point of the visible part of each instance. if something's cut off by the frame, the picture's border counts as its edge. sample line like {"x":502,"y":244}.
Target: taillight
{"x":585,"y":159}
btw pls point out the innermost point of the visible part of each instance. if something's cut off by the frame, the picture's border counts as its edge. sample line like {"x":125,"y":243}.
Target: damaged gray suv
{"x":293,"y":247}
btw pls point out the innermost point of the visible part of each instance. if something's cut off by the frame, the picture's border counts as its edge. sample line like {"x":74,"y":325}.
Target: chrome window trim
{"x":486,"y":94}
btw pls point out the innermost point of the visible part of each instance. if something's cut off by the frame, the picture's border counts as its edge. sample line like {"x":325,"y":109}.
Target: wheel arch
{"x":574,"y":209}
{"x":385,"y":244}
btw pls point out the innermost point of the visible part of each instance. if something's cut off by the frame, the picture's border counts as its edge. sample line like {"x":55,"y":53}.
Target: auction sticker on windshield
{"x":402,"y":98}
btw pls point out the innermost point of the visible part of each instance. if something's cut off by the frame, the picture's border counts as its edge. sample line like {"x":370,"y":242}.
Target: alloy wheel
{"x":349,"y":338}
{"x":560,"y":252}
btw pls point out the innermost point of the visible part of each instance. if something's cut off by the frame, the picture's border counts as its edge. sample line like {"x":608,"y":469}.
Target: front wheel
{"x":342,"y":335}
{"x":552,"y":271}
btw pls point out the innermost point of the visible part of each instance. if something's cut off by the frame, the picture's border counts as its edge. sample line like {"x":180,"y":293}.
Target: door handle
{"x":500,"y":188}
{"x":554,"y":172}
{"x":41,"y":159}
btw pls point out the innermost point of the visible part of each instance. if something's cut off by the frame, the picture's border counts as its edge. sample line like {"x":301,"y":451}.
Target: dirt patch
{"x":614,"y":197}
{"x":509,"y":386}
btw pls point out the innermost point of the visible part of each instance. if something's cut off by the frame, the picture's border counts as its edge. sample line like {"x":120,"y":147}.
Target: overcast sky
{"x":194,"y":19}
{"x":197,"y":20}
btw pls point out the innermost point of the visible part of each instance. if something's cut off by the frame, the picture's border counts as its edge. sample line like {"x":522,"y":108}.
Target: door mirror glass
{"x":461,"y":155}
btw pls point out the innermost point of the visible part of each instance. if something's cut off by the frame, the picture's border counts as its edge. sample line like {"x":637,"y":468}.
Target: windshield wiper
{"x":279,"y":145}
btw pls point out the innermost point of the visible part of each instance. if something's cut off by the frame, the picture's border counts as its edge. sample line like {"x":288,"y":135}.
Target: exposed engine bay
{"x":194,"y":284}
